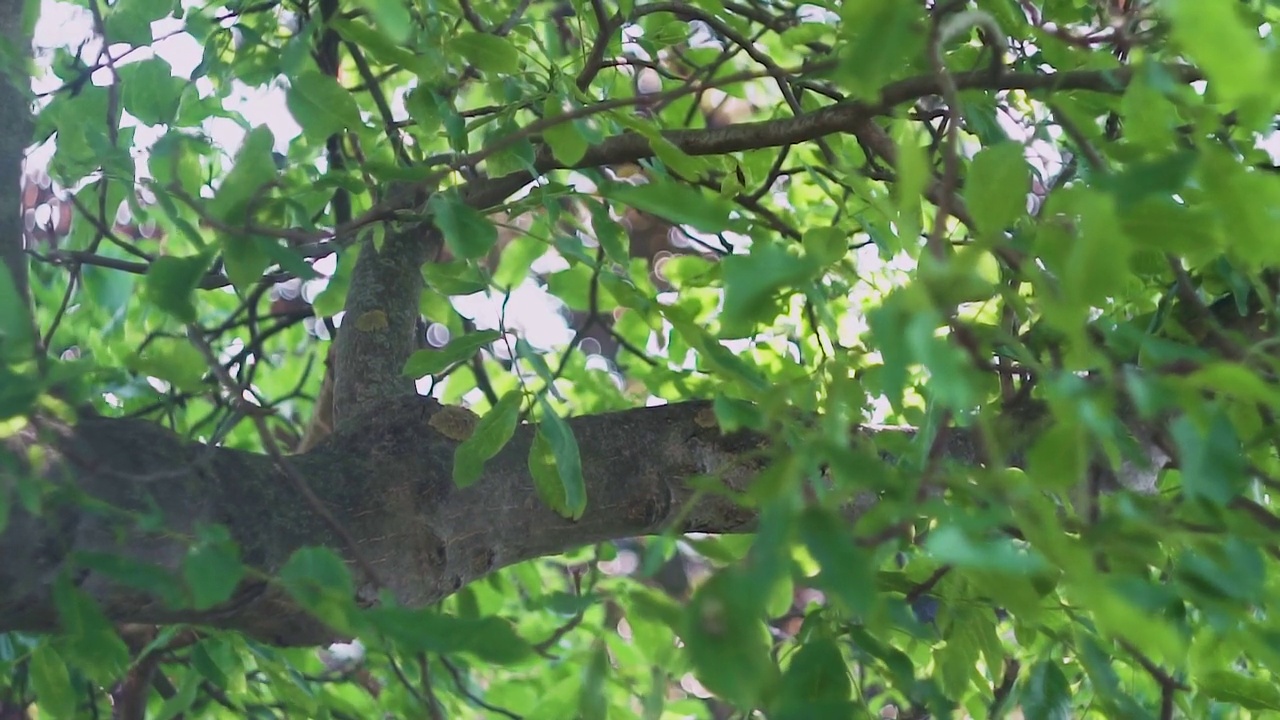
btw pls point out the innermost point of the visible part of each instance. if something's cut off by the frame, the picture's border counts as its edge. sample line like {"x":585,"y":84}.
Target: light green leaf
{"x":320,"y":105}
{"x":674,"y":201}
{"x":564,"y":447}
{"x":467,"y":232}
{"x":150,"y":92}
{"x":846,"y":569}
{"x":753,"y":282}
{"x":491,"y":434}
{"x":171,"y":282}
{"x":212,"y":568}
{"x":429,"y":362}
{"x":253,"y":169}
{"x":51,"y":682}
{"x":490,"y":639}
{"x":1218,"y":40}
{"x":996,"y":187}
{"x":488,"y":53}
{"x":567,"y":142}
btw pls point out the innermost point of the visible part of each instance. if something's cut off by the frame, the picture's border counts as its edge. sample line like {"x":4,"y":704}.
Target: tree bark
{"x":385,"y":476}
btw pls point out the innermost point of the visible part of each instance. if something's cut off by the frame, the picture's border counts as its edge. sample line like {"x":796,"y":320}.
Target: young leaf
{"x":468,"y":233}
{"x":568,"y":462}
{"x":674,"y":201}
{"x":489,"y":53}
{"x":429,"y":362}
{"x":491,"y":434}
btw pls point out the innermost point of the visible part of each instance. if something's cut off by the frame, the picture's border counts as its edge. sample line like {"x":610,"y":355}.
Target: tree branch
{"x":386,"y":476}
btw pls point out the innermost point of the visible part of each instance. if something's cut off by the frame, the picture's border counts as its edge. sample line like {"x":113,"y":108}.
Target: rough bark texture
{"x":385,"y":476}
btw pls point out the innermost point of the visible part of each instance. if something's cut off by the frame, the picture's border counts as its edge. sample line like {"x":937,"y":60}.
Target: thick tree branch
{"x":386,"y":476}
{"x":15,"y":118}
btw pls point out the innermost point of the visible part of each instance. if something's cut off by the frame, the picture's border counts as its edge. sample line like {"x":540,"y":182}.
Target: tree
{"x":917,"y":360}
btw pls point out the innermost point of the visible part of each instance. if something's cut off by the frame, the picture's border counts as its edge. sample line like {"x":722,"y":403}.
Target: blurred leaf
{"x":171,"y":282}
{"x":1216,"y":39}
{"x":996,"y":187}
{"x":150,"y":92}
{"x":254,"y":168}
{"x":212,"y":568}
{"x":490,"y":639}
{"x":1241,"y":690}
{"x":1211,"y":461}
{"x":320,"y":105}
{"x":52,"y":683}
{"x":752,"y":283}
{"x":726,"y":640}
{"x":488,"y":53}
{"x":846,"y":569}
{"x":86,"y":637}
{"x":1046,"y":693}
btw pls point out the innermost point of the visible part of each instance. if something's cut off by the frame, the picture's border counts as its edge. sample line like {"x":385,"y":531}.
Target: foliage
{"x":953,"y":217}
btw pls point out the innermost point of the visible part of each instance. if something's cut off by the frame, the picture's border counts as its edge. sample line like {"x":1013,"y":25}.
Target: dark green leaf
{"x":564,"y":447}
{"x":51,"y":682}
{"x":1047,"y":695}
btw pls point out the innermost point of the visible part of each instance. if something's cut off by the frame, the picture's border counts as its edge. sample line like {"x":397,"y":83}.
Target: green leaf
{"x":1047,"y":695}
{"x":392,"y":17}
{"x":546,"y":478}
{"x":129,"y":21}
{"x":568,"y":461}
{"x":1217,"y":39}
{"x":254,"y":168}
{"x":1212,"y":463}
{"x":490,"y":639}
{"x":453,"y":278}
{"x":951,"y":545}
{"x":846,"y":569}
{"x":567,"y":142}
{"x":212,"y":568}
{"x":467,"y":232}
{"x":150,"y":92}
{"x":320,"y":581}
{"x":517,"y":257}
{"x":882,"y":37}
{"x":172,"y":360}
{"x":753,"y":282}
{"x":171,"y":281}
{"x":818,"y":672}
{"x":677,"y":202}
{"x":1242,"y":690}
{"x":726,"y":640}
{"x":488,"y":53}
{"x":610,"y":234}
{"x":51,"y":682}
{"x":86,"y":636}
{"x":320,"y":105}
{"x":826,"y":245}
{"x":491,"y":434}
{"x":245,"y":258}
{"x":996,"y":187}
{"x":135,"y":574}
{"x":429,"y":362}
